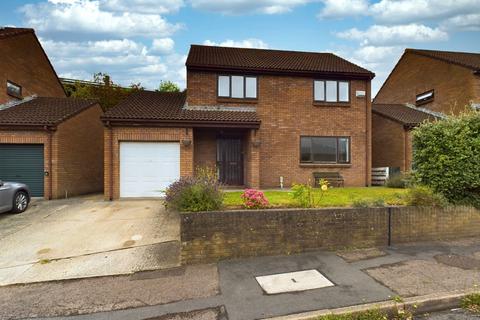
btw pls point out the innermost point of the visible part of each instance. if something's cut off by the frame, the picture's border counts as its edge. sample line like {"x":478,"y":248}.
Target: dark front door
{"x":229,"y":161}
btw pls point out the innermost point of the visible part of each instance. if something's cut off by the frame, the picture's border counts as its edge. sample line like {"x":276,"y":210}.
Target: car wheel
{"x":20,"y":202}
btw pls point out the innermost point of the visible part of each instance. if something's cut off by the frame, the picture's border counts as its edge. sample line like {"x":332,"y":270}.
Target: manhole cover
{"x":293,"y":281}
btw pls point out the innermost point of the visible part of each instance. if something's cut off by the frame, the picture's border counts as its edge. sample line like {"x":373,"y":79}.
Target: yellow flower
{"x":324,"y":187}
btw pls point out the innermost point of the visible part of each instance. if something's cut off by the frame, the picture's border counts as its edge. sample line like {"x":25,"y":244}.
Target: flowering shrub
{"x":254,"y":199}
{"x":306,"y":196}
{"x":199,"y":193}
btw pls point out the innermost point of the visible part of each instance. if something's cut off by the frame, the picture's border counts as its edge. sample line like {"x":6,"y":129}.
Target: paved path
{"x":361,"y":276}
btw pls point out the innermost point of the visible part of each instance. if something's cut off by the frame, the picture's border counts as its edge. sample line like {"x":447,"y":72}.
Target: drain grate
{"x":293,"y":281}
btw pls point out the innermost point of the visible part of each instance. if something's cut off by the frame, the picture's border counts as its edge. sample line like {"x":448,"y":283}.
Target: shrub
{"x":398,"y":180}
{"x":254,"y":199}
{"x":199,"y":193}
{"x":446,"y":157}
{"x":360,"y":203}
{"x":306,"y":196}
{"x":423,"y":196}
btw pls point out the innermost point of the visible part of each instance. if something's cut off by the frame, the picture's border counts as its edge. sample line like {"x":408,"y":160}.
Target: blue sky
{"x":147,"y":41}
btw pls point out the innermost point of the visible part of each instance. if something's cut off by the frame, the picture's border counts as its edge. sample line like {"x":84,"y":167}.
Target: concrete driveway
{"x":87,"y":237}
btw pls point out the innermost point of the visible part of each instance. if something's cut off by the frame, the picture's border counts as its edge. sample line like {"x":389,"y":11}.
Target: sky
{"x":147,"y":41}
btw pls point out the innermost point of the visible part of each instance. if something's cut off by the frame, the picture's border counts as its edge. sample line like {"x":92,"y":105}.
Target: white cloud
{"x":143,"y":6}
{"x":247,"y":43}
{"x":343,"y":8}
{"x":468,"y":22}
{"x":247,"y":6}
{"x":400,"y":34}
{"x":405,"y":11}
{"x":125,"y":60}
{"x":162,"y":46}
{"x":86,"y":16}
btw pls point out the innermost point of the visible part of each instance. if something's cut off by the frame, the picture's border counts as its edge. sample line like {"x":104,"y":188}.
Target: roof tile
{"x":43,"y":111}
{"x":168,"y":106}
{"x":466,"y":59}
{"x":271,"y":60}
{"x":7,"y":32}
{"x":406,"y":115}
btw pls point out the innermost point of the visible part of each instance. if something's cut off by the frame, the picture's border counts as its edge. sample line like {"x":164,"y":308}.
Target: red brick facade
{"x":113,"y":136}
{"x":24,"y":63}
{"x":286,"y":109}
{"x":455,"y":86}
{"x":72,"y":153}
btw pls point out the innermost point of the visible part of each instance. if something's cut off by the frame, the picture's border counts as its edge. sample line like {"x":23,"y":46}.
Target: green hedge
{"x":447,"y":157}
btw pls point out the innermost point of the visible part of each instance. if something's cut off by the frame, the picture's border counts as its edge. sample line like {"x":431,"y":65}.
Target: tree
{"x":447,"y":157}
{"x":168,"y":86}
{"x":101,"y":88}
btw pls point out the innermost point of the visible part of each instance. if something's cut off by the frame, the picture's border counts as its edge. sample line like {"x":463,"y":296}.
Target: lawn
{"x":334,"y":197}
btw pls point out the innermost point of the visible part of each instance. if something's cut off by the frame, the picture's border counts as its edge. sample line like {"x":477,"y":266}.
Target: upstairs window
{"x":331,"y":91}
{"x":14,"y":89}
{"x":425,"y":97}
{"x":325,"y":150}
{"x":237,"y":87}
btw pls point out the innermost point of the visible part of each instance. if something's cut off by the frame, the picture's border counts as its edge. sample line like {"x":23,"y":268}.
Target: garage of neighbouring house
{"x":53,"y":145}
{"x":152,"y":139}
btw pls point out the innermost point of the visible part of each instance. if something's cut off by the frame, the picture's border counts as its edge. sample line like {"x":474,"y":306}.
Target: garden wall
{"x":213,"y":236}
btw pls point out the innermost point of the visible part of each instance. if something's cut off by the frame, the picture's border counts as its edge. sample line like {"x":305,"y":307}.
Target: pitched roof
{"x":169,"y":107}
{"x":43,"y":111}
{"x":263,"y":60}
{"x":466,"y":59}
{"x":6,"y":32}
{"x":408,"y":116}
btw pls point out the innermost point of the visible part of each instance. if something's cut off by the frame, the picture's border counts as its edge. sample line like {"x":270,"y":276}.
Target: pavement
{"x":86,"y":237}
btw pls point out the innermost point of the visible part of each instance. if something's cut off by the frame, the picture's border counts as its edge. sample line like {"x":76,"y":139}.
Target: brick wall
{"x":415,"y":74}
{"x":33,"y":137}
{"x":205,"y":148}
{"x":78,"y":157}
{"x":285,"y":107}
{"x":117,"y":134}
{"x":388,"y":143}
{"x":213,"y":236}
{"x":24,"y":63}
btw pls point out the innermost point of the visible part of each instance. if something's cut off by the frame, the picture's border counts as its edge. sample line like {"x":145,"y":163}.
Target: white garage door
{"x":147,"y":168}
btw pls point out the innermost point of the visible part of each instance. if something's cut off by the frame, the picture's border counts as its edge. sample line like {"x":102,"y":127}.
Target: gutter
{"x":180,"y":123}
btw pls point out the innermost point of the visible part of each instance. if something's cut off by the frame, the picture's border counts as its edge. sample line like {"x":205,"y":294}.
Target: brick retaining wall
{"x":213,"y":236}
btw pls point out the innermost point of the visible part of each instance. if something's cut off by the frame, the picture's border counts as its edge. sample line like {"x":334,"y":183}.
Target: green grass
{"x":334,"y":197}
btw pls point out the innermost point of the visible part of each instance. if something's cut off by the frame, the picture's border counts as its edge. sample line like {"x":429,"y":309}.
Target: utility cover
{"x":293,"y":281}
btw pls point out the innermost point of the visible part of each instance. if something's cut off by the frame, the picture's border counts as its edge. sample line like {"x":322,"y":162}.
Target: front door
{"x":230,"y":161}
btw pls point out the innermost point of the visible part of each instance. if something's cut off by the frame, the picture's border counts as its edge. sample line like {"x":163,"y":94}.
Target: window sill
{"x":332,"y":104}
{"x":325,"y":165}
{"x":421,"y":103}
{"x":237,"y":100}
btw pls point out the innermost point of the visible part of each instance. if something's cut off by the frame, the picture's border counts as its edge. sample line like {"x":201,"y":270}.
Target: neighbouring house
{"x":49,"y":142}
{"x":424,"y":85}
{"x":25,"y":69}
{"x":262,"y":118}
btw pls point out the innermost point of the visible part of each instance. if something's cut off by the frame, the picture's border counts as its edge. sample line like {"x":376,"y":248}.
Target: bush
{"x":254,"y":199}
{"x":471,"y":302}
{"x":199,"y":193}
{"x":423,"y":196}
{"x":398,"y":180}
{"x":446,"y":157}
{"x":360,"y":203}
{"x":306,"y":196}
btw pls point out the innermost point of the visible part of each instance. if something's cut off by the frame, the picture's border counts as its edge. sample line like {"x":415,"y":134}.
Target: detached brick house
{"x":50,"y":142}
{"x":262,"y":118}
{"x":424,"y":85}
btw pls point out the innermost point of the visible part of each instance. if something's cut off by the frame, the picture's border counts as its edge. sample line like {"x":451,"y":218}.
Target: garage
{"x":147,"y":168}
{"x":23,"y":163}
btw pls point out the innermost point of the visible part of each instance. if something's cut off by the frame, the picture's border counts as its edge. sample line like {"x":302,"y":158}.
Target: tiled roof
{"x":466,"y":59}
{"x":408,"y":116}
{"x":43,"y":111}
{"x":271,"y":61}
{"x":6,"y":32}
{"x":168,"y":106}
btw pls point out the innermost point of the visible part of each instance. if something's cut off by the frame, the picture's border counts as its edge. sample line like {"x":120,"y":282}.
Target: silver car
{"x":14,"y":197}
